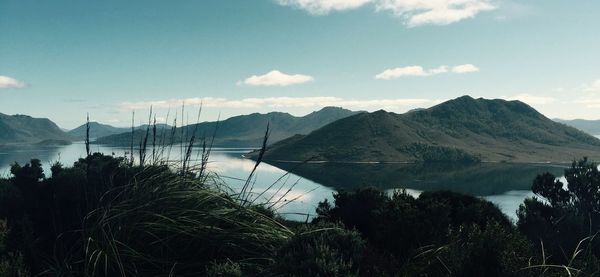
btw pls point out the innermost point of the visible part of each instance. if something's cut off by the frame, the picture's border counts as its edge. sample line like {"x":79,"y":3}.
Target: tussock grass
{"x":160,"y":223}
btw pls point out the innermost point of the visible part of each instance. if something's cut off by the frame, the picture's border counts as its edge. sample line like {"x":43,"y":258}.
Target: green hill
{"x":23,"y":129}
{"x":463,"y":129}
{"x":246,"y":130}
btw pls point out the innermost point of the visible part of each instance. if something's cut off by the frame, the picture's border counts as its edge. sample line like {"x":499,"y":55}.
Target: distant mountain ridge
{"x":24,"y":129}
{"x":591,"y":127}
{"x":101,"y":130}
{"x":96,"y":130}
{"x":463,"y":129}
{"x":245,"y":130}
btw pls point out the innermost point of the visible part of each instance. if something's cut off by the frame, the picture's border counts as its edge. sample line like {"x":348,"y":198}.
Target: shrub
{"x":321,"y":250}
{"x":564,"y":218}
{"x":492,"y":250}
{"x":400,"y":230}
{"x":11,"y":263}
{"x":227,"y":269}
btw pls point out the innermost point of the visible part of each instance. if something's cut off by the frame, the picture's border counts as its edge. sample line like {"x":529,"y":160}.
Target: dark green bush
{"x":402,"y":232}
{"x":321,"y":250}
{"x":564,"y":223}
{"x":11,"y":263}
{"x":227,"y":269}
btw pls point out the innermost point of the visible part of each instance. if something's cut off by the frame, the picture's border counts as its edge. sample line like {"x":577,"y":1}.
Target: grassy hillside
{"x":463,"y":129}
{"x":23,"y":129}
{"x":244,"y":130}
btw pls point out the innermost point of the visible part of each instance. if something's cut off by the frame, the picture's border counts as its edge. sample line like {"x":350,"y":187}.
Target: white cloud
{"x":397,"y":72}
{"x":321,"y":7}
{"x":593,"y":103}
{"x":276,"y":78}
{"x":465,"y":68}
{"x":419,"y":71}
{"x":592,"y":87}
{"x":8,"y":82}
{"x":439,"y":69}
{"x":434,"y":12}
{"x":280,"y":102}
{"x":533,"y":99}
{"x":413,"y":12}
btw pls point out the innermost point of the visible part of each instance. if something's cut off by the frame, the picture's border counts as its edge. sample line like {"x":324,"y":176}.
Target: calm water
{"x":504,"y":184}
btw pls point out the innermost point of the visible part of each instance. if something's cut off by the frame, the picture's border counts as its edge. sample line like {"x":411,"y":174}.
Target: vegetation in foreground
{"x":106,"y":217}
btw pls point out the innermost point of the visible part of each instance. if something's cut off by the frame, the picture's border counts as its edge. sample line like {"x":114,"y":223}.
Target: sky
{"x":62,"y":59}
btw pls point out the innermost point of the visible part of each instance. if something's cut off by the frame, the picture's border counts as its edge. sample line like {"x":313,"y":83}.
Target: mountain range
{"x":591,"y":127}
{"x":244,"y":130}
{"x":463,"y":129}
{"x":98,"y":130}
{"x":23,"y":129}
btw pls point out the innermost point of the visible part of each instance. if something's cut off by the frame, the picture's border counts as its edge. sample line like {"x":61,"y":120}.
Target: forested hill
{"x":23,"y":129}
{"x":246,"y":130}
{"x":462,"y":129}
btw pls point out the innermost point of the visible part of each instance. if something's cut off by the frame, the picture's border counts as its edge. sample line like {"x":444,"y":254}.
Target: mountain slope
{"x":246,"y":130}
{"x":96,"y":130}
{"x":591,"y":127}
{"x":463,"y":129}
{"x":23,"y":129}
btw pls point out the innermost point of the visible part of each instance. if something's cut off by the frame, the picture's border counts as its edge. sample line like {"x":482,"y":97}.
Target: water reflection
{"x":476,"y":179}
{"x":506,"y":185}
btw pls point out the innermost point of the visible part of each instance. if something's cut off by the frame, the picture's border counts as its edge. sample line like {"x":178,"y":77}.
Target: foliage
{"x":565,"y":222}
{"x":227,"y":269}
{"x":11,"y":263}
{"x":415,"y":236}
{"x":493,"y":250}
{"x":104,"y":217}
{"x":320,"y":250}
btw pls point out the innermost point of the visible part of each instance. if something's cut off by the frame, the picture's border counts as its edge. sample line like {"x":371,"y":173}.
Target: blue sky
{"x":61,"y":59}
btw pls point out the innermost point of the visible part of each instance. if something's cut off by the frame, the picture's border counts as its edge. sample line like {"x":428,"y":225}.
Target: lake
{"x":300,"y":187}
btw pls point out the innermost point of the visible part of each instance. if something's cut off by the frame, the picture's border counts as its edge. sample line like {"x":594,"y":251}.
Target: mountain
{"x":463,"y":129}
{"x":96,"y":130}
{"x":23,"y":129}
{"x":589,"y":126}
{"x":246,"y":130}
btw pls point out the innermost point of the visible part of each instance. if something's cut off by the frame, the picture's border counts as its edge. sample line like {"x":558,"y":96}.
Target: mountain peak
{"x":467,"y":106}
{"x":24,"y":129}
{"x":462,"y":129}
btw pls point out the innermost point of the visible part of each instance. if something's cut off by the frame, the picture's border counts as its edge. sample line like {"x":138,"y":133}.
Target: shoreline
{"x":551,"y":163}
